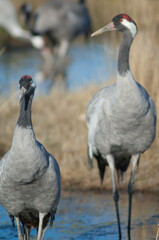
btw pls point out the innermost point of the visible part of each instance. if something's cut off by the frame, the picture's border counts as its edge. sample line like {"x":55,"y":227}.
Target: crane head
{"x":121,"y":22}
{"x":27,"y":86}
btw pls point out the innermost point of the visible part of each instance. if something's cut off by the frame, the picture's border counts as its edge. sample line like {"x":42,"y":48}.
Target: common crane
{"x":29,"y":175}
{"x":121,"y":118}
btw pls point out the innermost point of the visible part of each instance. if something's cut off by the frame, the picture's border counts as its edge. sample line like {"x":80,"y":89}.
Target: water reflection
{"x":91,"y":215}
{"x":87,"y":63}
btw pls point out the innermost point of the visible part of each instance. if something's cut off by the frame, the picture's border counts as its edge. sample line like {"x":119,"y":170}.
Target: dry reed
{"x":59,"y":119}
{"x":59,"y":123}
{"x":157,"y":235}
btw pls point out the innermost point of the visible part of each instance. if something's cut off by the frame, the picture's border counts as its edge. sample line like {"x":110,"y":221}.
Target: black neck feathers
{"x":82,"y":1}
{"x":24,"y":119}
{"x":123,"y":57}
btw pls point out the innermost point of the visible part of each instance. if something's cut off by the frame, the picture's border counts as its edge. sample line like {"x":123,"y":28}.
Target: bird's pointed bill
{"x":109,"y":27}
{"x":33,"y":84}
{"x":22,"y":93}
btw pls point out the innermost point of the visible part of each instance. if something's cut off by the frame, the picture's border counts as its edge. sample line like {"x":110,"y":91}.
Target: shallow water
{"x":91,"y":215}
{"x":87,"y":63}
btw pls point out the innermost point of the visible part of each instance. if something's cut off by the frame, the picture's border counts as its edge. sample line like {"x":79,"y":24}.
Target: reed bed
{"x":59,"y":119}
{"x":59,"y":124}
{"x":144,"y":52}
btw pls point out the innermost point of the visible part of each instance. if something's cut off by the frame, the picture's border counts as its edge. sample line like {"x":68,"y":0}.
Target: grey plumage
{"x":29,"y":175}
{"x":60,"y":21}
{"x":121,"y":118}
{"x":64,"y":20}
{"x":9,"y":21}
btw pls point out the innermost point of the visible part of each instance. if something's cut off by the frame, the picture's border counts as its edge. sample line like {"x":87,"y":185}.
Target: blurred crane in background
{"x":9,"y":21}
{"x":59,"y":22}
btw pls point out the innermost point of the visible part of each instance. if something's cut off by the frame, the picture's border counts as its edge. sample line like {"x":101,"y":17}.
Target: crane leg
{"x":40,"y":227}
{"x":134,"y":160}
{"x":20,"y":236}
{"x":90,"y":156}
{"x":43,"y":231}
{"x":111,"y":163}
{"x":64,"y":44}
{"x":27,"y":231}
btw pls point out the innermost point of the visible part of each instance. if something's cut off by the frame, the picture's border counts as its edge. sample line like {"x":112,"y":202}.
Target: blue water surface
{"x":88,"y":215}
{"x":88,"y":63}
{"x":91,"y":215}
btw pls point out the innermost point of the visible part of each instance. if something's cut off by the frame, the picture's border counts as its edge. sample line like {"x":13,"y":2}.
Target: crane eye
{"x":120,"y":20}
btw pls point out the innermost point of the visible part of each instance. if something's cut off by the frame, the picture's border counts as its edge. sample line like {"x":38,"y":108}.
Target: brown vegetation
{"x":144,"y":52}
{"x":59,"y":119}
{"x":59,"y":123}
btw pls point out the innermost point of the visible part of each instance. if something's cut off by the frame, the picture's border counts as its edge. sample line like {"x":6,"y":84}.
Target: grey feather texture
{"x":29,"y":177}
{"x":63,"y":20}
{"x":121,"y":118}
{"x":9,"y":21}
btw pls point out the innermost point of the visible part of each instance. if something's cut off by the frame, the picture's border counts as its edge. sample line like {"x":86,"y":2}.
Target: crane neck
{"x":82,"y":1}
{"x":123,"y":57}
{"x":24,"y":119}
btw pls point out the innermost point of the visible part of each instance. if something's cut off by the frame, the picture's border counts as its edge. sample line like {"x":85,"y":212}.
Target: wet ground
{"x":91,"y":215}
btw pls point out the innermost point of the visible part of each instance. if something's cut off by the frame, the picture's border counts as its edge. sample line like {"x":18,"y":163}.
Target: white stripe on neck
{"x":131,"y":26}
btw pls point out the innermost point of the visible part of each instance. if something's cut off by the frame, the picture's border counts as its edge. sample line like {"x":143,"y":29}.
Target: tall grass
{"x":144,"y":52}
{"x":144,"y":58}
{"x":59,"y":124}
{"x":59,"y":119}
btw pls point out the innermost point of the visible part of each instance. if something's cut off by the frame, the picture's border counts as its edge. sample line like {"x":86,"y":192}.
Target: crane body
{"x":121,"y":118}
{"x":29,"y":175}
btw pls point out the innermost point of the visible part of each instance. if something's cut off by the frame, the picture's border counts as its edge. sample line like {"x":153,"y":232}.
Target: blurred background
{"x":61,"y":100}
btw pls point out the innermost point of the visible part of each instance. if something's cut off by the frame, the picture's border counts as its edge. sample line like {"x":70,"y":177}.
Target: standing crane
{"x":59,"y":22}
{"x":121,"y":118}
{"x":9,"y":21}
{"x":29,"y":175}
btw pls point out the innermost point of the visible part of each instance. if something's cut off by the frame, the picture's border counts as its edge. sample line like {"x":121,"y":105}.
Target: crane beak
{"x":22,"y":94}
{"x":24,"y":91}
{"x":109,"y":27}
